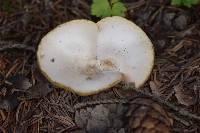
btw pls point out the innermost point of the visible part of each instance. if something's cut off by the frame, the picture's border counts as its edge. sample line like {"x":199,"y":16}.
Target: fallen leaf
{"x":185,"y":96}
{"x":20,"y":82}
{"x":3,"y":63}
{"x":10,"y":102}
{"x":37,"y":91}
{"x":41,"y":88}
{"x":155,"y":88}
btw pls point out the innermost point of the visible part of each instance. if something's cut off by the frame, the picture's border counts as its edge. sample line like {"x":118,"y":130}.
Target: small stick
{"x":5,"y":45}
{"x":92,"y":103}
{"x":179,"y":110}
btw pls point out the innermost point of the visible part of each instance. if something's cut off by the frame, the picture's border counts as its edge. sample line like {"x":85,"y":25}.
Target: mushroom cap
{"x":67,"y":57}
{"x":126,"y":45}
{"x":86,"y":58}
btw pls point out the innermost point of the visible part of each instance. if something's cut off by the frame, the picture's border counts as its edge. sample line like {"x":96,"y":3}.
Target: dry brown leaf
{"x":185,"y":96}
{"x":154,"y":88}
{"x":19,"y":82}
{"x":9,"y":102}
{"x":3,"y":63}
{"x":65,"y":120}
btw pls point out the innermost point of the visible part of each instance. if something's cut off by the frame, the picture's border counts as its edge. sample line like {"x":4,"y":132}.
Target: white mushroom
{"x":87,"y":58}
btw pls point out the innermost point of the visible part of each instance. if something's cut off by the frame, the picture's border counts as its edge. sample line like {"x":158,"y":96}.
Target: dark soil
{"x":28,"y":103}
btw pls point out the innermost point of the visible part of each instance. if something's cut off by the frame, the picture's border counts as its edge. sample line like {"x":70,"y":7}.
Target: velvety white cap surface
{"x":124,"y":44}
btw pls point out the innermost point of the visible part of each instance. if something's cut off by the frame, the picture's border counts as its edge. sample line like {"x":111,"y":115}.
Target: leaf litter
{"x":22,"y":89}
{"x":40,"y":107}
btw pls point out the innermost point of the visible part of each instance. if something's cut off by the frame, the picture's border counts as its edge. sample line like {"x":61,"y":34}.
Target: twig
{"x":92,"y":103}
{"x":5,"y":45}
{"x":181,"y":120}
{"x":135,"y":5}
{"x":179,"y":110}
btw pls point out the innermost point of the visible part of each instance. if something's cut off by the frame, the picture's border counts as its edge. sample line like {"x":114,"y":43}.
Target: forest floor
{"x":28,"y":103}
